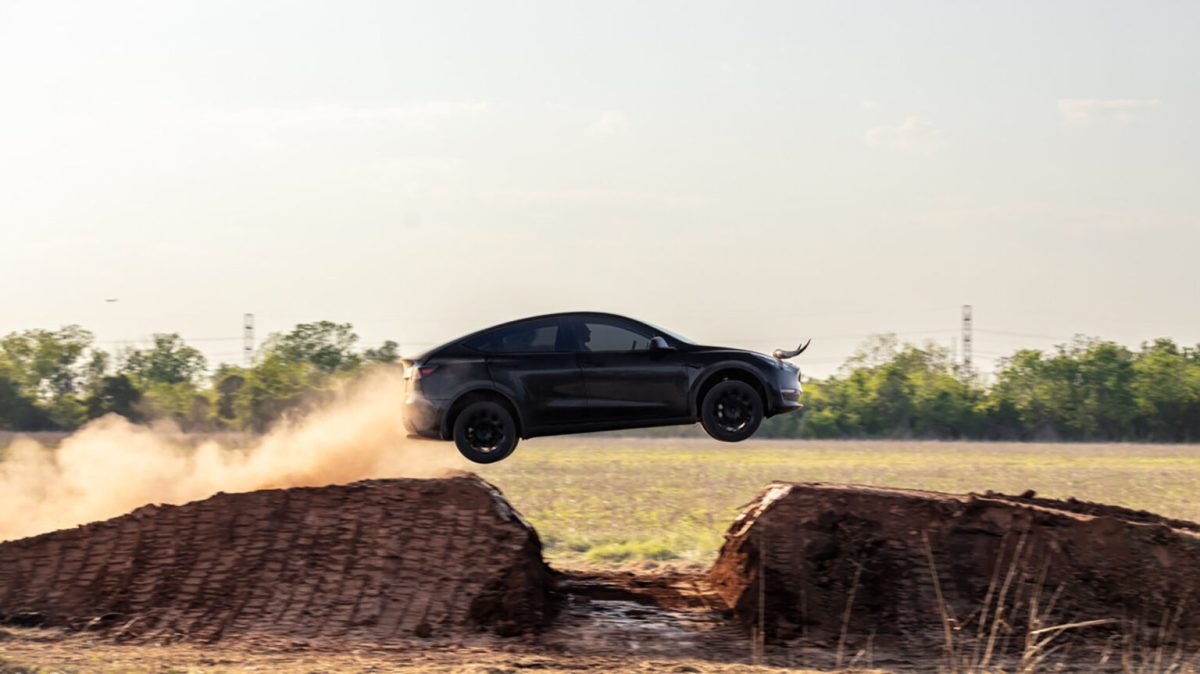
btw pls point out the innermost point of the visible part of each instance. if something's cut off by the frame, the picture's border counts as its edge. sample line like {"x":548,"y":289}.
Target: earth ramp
{"x":378,"y":560}
{"x":856,"y":567}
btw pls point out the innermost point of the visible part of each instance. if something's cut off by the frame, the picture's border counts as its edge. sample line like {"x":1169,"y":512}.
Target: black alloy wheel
{"x":485,"y":432}
{"x":731,"y":411}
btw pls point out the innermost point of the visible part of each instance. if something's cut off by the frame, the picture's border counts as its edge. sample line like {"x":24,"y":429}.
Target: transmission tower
{"x":966,"y":337}
{"x":248,"y":338}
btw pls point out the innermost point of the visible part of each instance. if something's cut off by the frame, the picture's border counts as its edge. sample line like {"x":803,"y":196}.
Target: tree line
{"x":56,"y":380}
{"x":1090,"y":389}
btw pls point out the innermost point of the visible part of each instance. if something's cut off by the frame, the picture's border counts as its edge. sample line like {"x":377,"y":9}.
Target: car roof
{"x":560,"y":314}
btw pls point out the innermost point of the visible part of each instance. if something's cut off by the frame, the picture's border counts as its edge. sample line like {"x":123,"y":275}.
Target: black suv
{"x":579,"y":372}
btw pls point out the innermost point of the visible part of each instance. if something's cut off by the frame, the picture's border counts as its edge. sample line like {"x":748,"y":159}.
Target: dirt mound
{"x":873,"y":568}
{"x":377,"y":560}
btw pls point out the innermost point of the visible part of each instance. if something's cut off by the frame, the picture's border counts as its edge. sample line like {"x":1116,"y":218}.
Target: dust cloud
{"x":111,"y":466}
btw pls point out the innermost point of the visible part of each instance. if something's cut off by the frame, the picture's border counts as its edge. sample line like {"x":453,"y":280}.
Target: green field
{"x":610,"y":500}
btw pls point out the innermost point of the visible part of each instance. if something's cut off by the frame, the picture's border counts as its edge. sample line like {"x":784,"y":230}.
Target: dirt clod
{"x":855,"y":567}
{"x":378,"y":560}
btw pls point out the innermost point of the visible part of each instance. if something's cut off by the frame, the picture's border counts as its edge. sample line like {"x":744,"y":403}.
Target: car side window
{"x":527,"y":337}
{"x":609,"y":336}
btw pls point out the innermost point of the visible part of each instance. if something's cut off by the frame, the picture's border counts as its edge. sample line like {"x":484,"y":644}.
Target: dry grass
{"x":615,"y":500}
{"x":52,"y":653}
{"x":612,"y":500}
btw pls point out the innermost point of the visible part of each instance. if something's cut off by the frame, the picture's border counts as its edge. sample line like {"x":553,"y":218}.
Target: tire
{"x":731,"y":411}
{"x":485,"y":432}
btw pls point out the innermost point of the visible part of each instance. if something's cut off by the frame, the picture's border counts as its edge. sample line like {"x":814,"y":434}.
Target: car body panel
{"x":631,"y":386}
{"x":637,"y":386}
{"x":550,"y":387}
{"x":563,"y":388}
{"x":426,"y":398}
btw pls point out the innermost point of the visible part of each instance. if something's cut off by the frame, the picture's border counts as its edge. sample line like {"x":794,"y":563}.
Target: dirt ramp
{"x":876,"y":567}
{"x":379,"y":560}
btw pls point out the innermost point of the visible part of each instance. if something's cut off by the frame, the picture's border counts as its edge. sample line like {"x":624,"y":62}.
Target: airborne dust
{"x":111,"y":466}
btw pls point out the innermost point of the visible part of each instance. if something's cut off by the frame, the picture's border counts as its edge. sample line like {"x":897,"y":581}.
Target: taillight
{"x":416,"y":372}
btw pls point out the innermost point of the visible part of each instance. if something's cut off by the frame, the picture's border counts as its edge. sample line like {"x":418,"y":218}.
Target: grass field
{"x":615,"y":499}
{"x":612,"y":500}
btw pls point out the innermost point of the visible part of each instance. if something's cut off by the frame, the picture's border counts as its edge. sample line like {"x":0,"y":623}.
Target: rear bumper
{"x":421,"y":417}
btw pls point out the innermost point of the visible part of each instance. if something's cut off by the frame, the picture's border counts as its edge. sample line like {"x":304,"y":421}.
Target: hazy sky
{"x":746,"y":173}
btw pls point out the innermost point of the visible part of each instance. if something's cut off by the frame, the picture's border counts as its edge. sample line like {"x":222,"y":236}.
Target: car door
{"x":627,"y":382}
{"x":536,"y":362}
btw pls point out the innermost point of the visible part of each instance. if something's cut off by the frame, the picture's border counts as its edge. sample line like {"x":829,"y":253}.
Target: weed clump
{"x":623,"y":552}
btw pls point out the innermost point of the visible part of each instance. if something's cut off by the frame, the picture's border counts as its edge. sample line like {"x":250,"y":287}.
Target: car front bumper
{"x":784,"y":394}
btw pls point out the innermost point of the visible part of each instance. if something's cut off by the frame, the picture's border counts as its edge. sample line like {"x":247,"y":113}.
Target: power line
{"x":1025,"y":335}
{"x":763,"y":340}
{"x":145,"y":340}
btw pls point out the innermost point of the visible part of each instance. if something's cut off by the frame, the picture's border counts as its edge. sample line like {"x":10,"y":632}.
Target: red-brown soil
{"x":375,"y":560}
{"x":810,"y":575}
{"x":911,"y":571}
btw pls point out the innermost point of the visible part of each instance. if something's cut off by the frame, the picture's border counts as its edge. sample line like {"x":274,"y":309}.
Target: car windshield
{"x":669,"y":333}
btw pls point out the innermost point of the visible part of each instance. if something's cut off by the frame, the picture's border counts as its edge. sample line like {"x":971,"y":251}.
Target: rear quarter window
{"x":540,"y":337}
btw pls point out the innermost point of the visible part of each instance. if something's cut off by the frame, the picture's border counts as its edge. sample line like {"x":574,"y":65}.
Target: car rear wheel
{"x":731,"y":411}
{"x":485,"y":432}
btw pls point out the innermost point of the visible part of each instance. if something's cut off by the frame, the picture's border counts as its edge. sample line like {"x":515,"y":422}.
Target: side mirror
{"x":660,"y":344}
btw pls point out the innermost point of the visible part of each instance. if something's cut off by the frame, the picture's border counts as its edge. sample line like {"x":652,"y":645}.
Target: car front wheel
{"x":731,"y":411}
{"x":485,"y":432}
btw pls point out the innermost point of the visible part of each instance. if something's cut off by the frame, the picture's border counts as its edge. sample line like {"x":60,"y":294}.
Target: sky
{"x":743,"y":173}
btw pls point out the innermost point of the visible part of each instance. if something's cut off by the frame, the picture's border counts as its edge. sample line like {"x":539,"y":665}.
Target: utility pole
{"x":966,"y":338}
{"x":248,"y":338}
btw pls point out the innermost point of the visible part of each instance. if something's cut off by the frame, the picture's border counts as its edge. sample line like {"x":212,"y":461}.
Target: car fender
{"x":707,"y":373}
{"x":444,"y":424}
